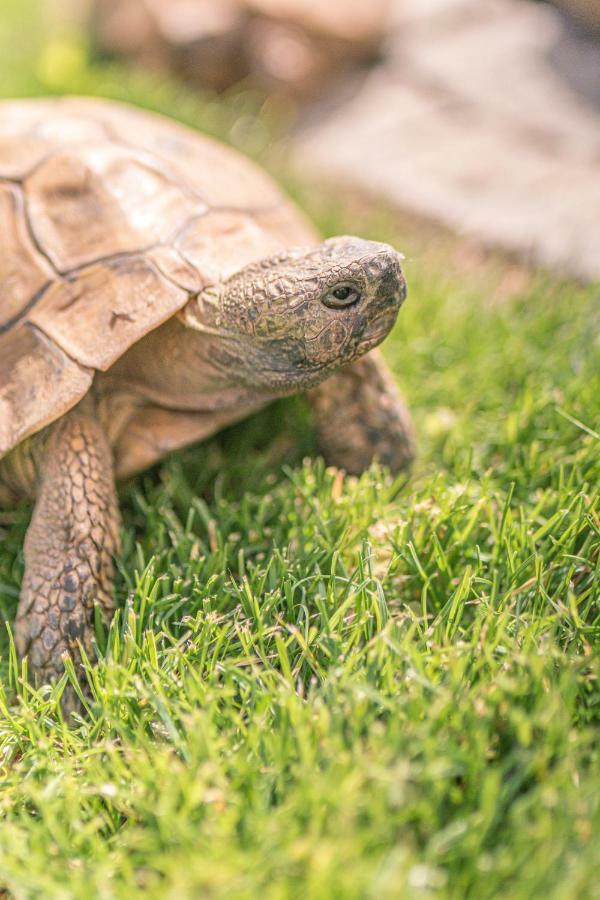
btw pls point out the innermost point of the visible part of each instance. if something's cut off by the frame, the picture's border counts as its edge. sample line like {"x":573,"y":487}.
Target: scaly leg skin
{"x":360,"y":416}
{"x":68,"y":550}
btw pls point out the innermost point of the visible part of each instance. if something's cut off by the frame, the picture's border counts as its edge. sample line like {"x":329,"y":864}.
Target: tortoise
{"x":284,"y":47}
{"x":156,"y":286}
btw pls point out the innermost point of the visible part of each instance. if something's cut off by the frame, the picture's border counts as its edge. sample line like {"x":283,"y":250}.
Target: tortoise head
{"x":284,"y":323}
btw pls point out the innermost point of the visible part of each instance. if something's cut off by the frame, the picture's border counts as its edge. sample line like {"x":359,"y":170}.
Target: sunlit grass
{"x":340,"y":688}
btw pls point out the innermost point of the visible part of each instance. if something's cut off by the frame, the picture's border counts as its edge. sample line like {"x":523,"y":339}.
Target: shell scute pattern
{"x":99,"y":201}
{"x":29,"y":134}
{"x":43,"y":383}
{"x":120,"y":299}
{"x":23,"y":271}
{"x":111,"y":218}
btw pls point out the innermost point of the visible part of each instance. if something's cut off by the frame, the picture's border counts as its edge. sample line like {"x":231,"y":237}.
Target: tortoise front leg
{"x":68,"y":549}
{"x":360,"y":416}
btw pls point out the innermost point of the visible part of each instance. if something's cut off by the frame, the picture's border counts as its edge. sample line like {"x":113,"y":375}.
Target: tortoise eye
{"x":342,"y":295}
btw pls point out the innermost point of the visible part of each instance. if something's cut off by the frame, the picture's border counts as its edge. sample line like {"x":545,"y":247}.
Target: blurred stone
{"x":353,"y":21}
{"x":472,"y":122}
{"x":586,"y":12}
{"x":281,"y":46}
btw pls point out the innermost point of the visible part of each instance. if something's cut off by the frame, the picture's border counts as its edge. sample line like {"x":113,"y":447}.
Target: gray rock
{"x":478,"y":118}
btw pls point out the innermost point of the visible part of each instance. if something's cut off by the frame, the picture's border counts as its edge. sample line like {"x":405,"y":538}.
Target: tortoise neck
{"x":182,"y":369}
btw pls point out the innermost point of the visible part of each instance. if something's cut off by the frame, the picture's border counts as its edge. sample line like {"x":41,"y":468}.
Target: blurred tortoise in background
{"x":156,"y":286}
{"x":290,"y":47}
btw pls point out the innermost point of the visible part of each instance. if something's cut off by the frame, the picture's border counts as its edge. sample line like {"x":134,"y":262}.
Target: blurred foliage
{"x":44,"y":54}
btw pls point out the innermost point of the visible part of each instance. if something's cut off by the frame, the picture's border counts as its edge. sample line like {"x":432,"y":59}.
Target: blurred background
{"x":481,"y":117}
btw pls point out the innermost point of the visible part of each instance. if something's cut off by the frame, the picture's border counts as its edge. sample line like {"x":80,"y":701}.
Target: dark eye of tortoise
{"x":342,"y":295}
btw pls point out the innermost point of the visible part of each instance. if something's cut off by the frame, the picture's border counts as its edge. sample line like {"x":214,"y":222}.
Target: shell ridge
{"x":33,"y":236}
{"x":14,"y":320}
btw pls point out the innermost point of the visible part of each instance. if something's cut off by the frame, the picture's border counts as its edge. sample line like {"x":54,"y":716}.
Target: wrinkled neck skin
{"x":192,"y":363}
{"x":176,"y":368}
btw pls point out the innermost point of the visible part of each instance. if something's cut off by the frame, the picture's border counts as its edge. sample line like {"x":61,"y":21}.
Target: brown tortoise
{"x":285,"y":47}
{"x":155,"y":286}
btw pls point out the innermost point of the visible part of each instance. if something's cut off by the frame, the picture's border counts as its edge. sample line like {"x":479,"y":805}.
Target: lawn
{"x":325,"y":687}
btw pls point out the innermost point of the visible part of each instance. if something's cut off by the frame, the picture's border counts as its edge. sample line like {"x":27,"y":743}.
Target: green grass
{"x":358,"y":689}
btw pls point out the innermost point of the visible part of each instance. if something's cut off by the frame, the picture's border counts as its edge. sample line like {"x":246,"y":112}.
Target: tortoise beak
{"x":378,"y":329}
{"x":387,"y":298}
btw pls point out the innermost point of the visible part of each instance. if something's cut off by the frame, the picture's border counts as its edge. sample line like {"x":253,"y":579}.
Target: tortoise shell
{"x":111,"y":218}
